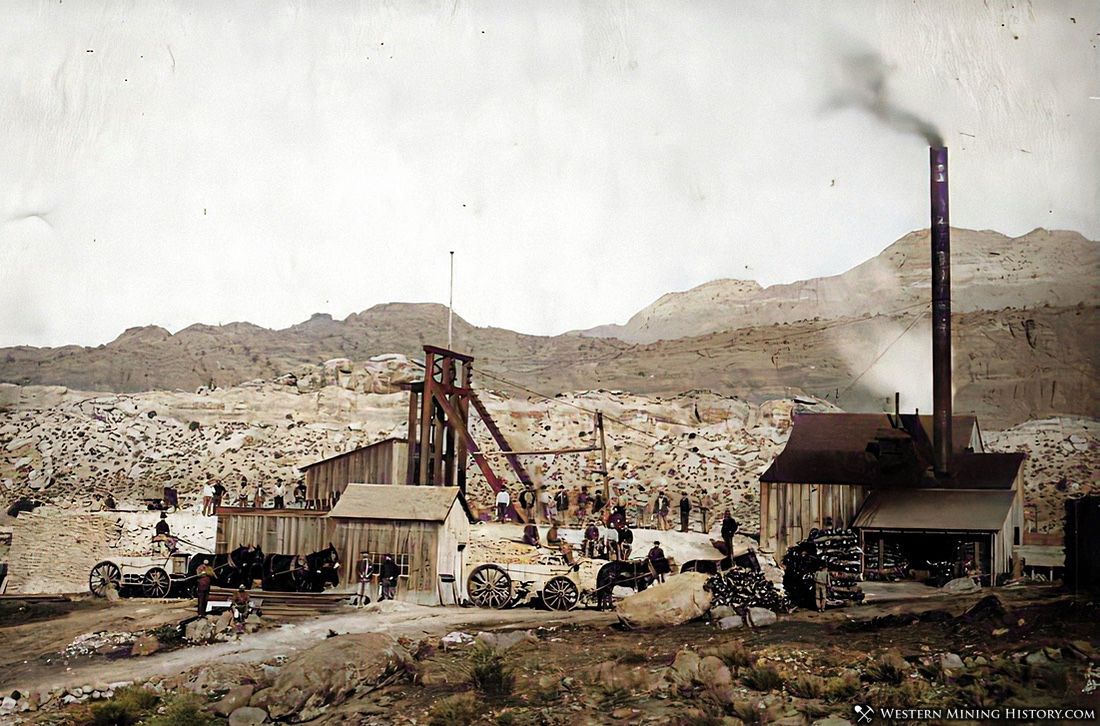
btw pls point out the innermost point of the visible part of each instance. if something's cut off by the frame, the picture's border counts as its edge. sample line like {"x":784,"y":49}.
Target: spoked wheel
{"x":104,"y":575}
{"x":560,"y":593}
{"x":489,"y":587}
{"x":156,"y":583}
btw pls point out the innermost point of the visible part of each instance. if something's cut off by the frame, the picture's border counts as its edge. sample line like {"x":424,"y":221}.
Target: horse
{"x":302,"y":573}
{"x":635,"y":574}
{"x":242,"y":566}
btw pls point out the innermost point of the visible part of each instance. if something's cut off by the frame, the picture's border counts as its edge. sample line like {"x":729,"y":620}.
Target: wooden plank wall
{"x":789,"y":511}
{"x":383,"y":463}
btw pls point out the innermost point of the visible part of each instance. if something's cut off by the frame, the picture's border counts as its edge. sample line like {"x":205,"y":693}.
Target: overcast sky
{"x":172,"y":163}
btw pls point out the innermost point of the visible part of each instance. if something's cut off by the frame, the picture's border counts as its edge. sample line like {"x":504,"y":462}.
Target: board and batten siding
{"x":381,"y":463}
{"x":789,"y":511}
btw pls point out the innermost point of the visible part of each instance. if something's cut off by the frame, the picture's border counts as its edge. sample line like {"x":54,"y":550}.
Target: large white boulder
{"x":680,"y":599}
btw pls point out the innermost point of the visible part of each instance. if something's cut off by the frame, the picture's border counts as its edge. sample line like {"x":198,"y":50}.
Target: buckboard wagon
{"x":153,"y":576}
{"x":553,"y":582}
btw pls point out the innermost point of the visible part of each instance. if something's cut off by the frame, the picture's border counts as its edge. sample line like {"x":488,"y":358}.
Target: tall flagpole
{"x":451,"y":304}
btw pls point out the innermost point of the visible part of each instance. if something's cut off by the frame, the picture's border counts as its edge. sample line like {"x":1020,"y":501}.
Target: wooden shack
{"x":384,"y":462}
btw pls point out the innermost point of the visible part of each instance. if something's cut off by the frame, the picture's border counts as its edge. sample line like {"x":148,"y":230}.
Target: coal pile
{"x":839,"y":551}
{"x":894,"y":564}
{"x":741,"y":587}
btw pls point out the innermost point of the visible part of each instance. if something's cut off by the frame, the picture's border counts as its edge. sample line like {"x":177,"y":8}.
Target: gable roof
{"x":952,"y":510}
{"x":397,"y":502}
{"x":832,"y":448}
{"x":327,"y":459}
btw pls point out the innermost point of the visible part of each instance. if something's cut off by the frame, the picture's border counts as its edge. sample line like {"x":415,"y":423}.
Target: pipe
{"x":941,"y":311}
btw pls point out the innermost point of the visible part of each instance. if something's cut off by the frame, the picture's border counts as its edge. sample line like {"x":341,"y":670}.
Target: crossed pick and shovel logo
{"x":864,"y":714}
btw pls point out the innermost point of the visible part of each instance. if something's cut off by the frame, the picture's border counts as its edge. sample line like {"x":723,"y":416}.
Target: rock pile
{"x":839,"y":551}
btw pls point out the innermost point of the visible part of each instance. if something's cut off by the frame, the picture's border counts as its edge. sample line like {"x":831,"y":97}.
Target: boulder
{"x":230,"y":702}
{"x":199,"y":630}
{"x":719,"y":612}
{"x":504,"y":641}
{"x":761,"y":617}
{"x":680,"y":599}
{"x":247,"y":716}
{"x":223,"y":622}
{"x":145,"y":645}
{"x":961,"y":585}
{"x":732,"y":622}
{"x":950,"y":662}
{"x":327,"y":673}
{"x":714,"y":674}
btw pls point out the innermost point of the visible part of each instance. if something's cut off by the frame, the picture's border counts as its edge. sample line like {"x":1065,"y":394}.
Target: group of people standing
{"x":250,"y":494}
{"x":578,"y":507}
{"x":388,"y":572}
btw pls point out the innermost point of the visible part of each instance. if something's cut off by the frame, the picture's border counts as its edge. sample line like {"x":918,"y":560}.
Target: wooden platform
{"x":290,"y":605}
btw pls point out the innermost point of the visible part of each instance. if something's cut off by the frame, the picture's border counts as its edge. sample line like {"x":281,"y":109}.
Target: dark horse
{"x":302,"y":573}
{"x":635,"y":574}
{"x":242,"y":566}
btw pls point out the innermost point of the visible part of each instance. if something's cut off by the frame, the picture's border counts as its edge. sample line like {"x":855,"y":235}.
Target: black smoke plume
{"x":865,"y":77}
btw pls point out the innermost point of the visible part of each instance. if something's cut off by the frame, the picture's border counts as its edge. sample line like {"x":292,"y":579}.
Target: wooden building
{"x":383,"y":462}
{"x":424,"y":528}
{"x":873,"y":472}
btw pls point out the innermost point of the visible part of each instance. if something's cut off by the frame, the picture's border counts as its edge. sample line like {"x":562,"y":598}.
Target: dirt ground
{"x":554,"y":684}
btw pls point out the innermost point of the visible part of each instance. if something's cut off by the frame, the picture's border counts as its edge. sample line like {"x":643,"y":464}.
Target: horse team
{"x":280,"y":573}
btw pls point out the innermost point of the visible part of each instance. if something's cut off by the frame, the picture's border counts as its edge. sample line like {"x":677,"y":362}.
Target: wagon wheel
{"x":104,"y":575}
{"x":560,"y":593}
{"x":156,"y":583}
{"x":489,"y":587}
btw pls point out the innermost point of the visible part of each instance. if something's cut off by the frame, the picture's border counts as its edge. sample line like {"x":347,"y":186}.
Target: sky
{"x":174,"y":163}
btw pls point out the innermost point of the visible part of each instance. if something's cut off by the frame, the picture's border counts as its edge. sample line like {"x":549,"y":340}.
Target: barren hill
{"x":989,"y":271}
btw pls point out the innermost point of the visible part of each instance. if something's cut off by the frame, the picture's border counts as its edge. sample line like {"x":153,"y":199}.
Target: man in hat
{"x":658,"y":563}
{"x":729,"y":528}
{"x":527,"y":503}
{"x":240,"y":607}
{"x":685,"y":512}
{"x":388,"y":577}
{"x":503,"y":500}
{"x":204,"y":576}
{"x":207,"y":498}
{"x":363,"y":571}
{"x":591,"y":536}
{"x":821,"y":587}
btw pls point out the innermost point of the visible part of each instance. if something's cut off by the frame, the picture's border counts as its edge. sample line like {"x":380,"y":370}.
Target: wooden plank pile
{"x":839,"y":551}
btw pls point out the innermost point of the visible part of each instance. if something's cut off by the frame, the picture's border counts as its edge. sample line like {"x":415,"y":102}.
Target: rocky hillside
{"x":989,"y":271}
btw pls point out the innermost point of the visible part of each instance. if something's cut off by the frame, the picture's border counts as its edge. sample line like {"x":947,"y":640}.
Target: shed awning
{"x":395,"y":501}
{"x":962,"y":510}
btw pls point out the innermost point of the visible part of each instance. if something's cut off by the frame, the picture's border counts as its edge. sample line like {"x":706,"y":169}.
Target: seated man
{"x":531,"y":534}
{"x":553,"y":539}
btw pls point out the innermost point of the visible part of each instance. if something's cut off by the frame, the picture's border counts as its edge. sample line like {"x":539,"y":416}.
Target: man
{"x":257,"y":495}
{"x":561,"y":504}
{"x":280,"y":495}
{"x":240,"y":607}
{"x":658,"y":563}
{"x":663,"y":504}
{"x":163,"y":535}
{"x":300,"y":495}
{"x":207,"y":498}
{"x":503,"y":500}
{"x":611,"y":542}
{"x":388,"y":577}
{"x":685,"y":512}
{"x":640,"y":507}
{"x":591,"y":537}
{"x":527,"y":503}
{"x":553,"y":539}
{"x":242,"y":495}
{"x":706,"y":503}
{"x":626,"y":541}
{"x":729,"y":528}
{"x":598,"y":503}
{"x":204,"y":577}
{"x":547,"y":502}
{"x":219,"y":493}
{"x":531,"y":534}
{"x":363,"y":571}
{"x":582,"y":505}
{"x":821,"y":587}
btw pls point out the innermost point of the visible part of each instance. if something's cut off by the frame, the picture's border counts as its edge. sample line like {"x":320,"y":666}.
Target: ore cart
{"x":151,"y":576}
{"x":550,"y":580}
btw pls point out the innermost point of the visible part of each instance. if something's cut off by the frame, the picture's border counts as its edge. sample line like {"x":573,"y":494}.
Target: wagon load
{"x":741,"y":587}
{"x":839,"y":551}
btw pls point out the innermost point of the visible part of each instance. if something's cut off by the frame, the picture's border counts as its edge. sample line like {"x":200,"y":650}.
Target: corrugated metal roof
{"x":395,"y":501}
{"x":391,"y":439}
{"x":935,"y":509}
{"x":833,"y":448}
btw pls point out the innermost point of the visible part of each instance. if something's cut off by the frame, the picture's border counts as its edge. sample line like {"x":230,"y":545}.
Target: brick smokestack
{"x":941,"y":312}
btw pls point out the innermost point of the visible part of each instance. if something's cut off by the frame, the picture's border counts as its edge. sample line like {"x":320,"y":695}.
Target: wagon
{"x":153,"y":576}
{"x":550,"y":580}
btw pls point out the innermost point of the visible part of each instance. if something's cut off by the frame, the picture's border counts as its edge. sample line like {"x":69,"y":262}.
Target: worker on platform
{"x":821,"y":587}
{"x":204,"y":577}
{"x":280,"y":495}
{"x":591,"y":538}
{"x":503,"y":500}
{"x":527,"y":503}
{"x":162,"y":536}
{"x":611,"y":542}
{"x":547,"y":502}
{"x":363,"y":571}
{"x":219,"y":494}
{"x":300,"y":495}
{"x":685,"y":512}
{"x":626,"y":540}
{"x":582,"y":500}
{"x":561,"y":504}
{"x":388,"y":577}
{"x":662,"y":506}
{"x":207,"y":498}
{"x":706,"y":503}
